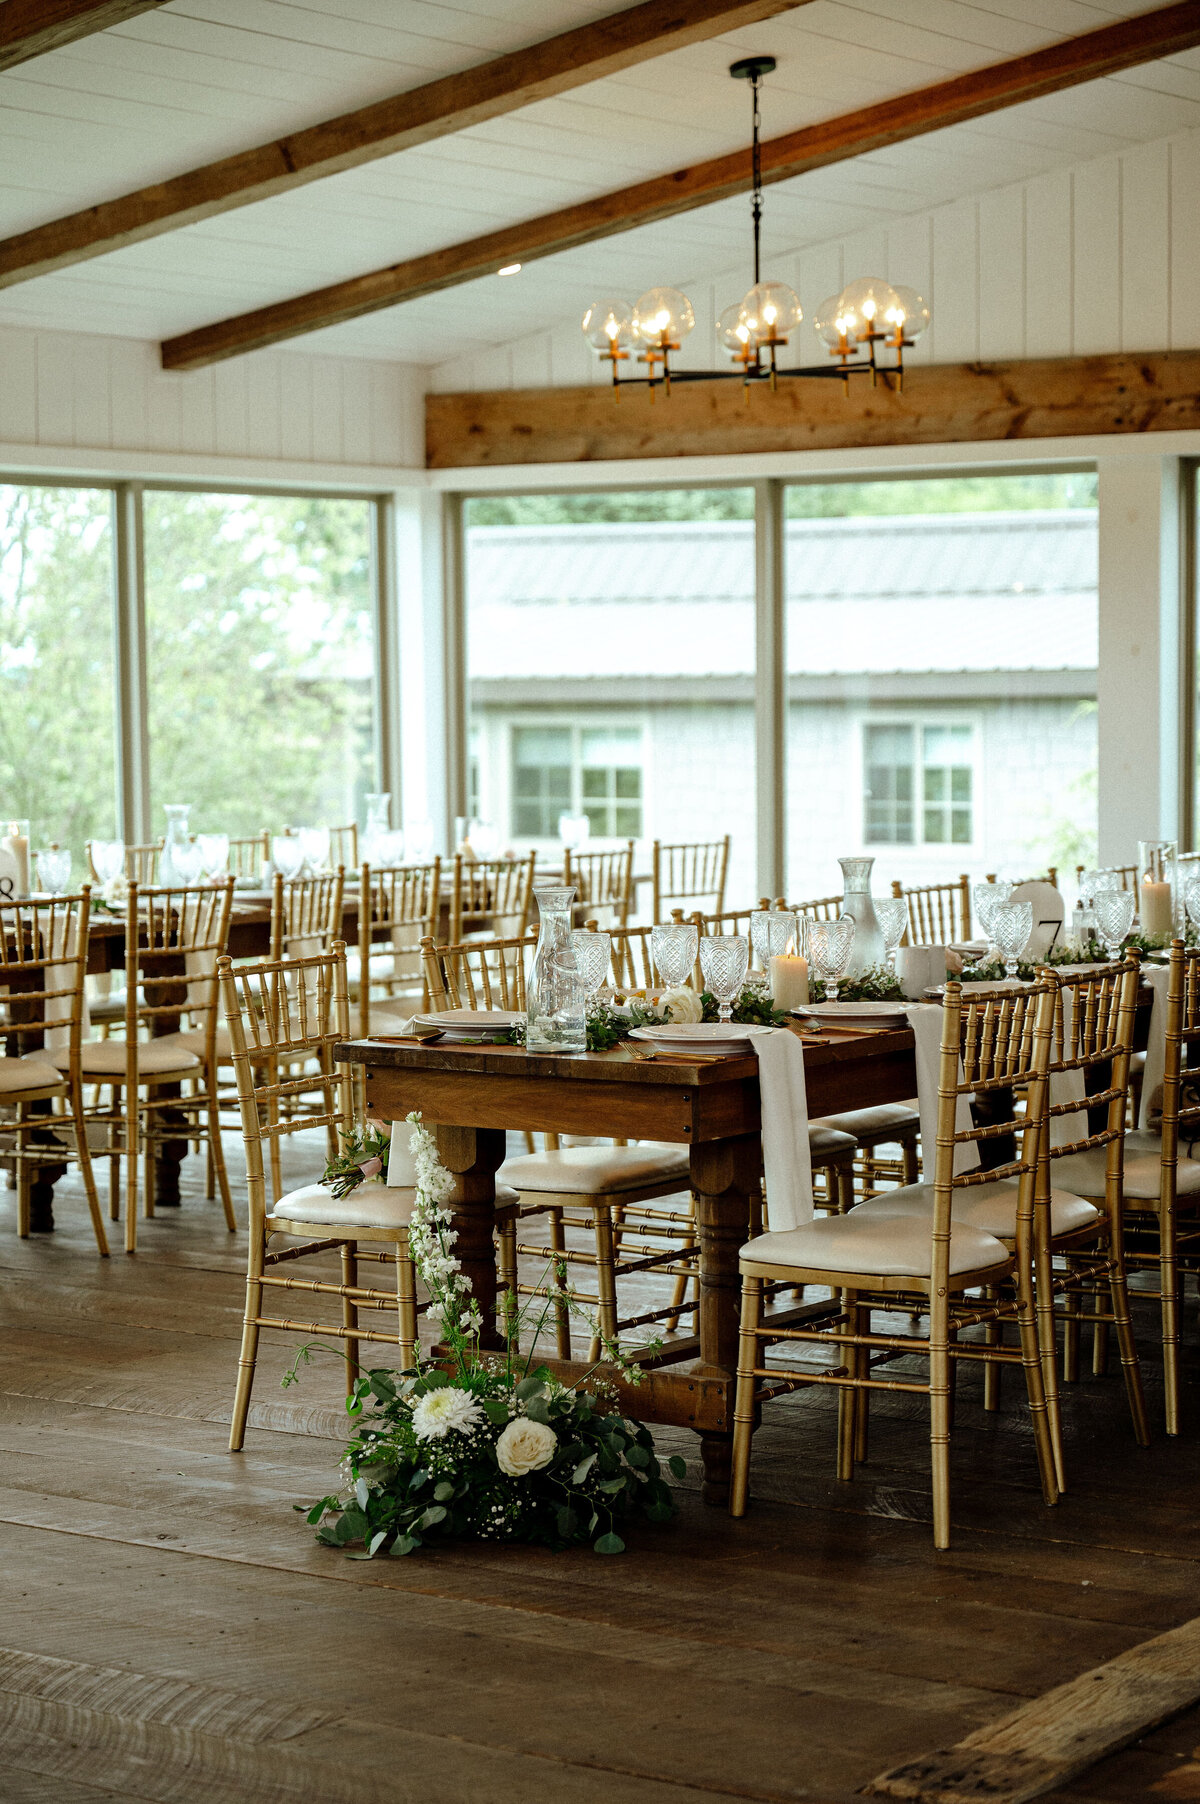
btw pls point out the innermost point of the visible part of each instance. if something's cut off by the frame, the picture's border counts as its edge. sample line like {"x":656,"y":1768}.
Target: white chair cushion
{"x":367,"y":1206}
{"x":871,"y":1246}
{"x":1143,"y":1154}
{"x":104,"y":1060}
{"x":29,"y":1073}
{"x":894,"y":1117}
{"x":825,"y":1142}
{"x":992,"y":1208}
{"x":597,"y":1170}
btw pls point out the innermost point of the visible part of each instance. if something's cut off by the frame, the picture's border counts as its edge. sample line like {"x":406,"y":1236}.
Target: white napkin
{"x":1158,"y":977}
{"x":1067,"y":1086}
{"x":925,"y":1019}
{"x":62,"y":977}
{"x":787,"y":1163}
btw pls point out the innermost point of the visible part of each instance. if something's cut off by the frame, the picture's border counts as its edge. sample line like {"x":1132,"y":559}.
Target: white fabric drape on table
{"x":63,"y":944}
{"x":1158,"y":977}
{"x":925,"y":1019}
{"x":787,"y":1162}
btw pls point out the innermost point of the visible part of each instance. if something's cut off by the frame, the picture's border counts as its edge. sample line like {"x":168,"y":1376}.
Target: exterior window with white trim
{"x":918,"y":784}
{"x":596,"y":771}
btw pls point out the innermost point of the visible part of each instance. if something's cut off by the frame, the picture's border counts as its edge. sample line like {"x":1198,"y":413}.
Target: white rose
{"x":680,"y":1004}
{"x":525,"y":1446}
{"x":444,"y":1411}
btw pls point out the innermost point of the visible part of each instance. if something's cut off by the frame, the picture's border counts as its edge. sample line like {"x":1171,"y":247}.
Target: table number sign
{"x":9,"y":875}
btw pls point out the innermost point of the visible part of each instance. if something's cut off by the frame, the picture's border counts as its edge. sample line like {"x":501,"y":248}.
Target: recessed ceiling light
{"x":510,"y":269}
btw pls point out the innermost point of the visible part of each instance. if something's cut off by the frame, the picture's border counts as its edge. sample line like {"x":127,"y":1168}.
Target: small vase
{"x":868,"y":947}
{"x":556,"y":999}
{"x":176,"y":835}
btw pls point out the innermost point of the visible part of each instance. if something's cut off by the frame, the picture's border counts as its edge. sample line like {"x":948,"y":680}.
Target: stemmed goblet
{"x":592,"y":951}
{"x":988,"y":897}
{"x":724,"y":959}
{"x":1191,"y":899}
{"x":314,"y":844}
{"x":1012,"y":924}
{"x":673,"y":947}
{"x":214,"y":854}
{"x":891,"y":912}
{"x":54,"y":869}
{"x":287,"y":854}
{"x":1114,"y":917}
{"x":828,"y":945}
{"x":108,"y":860}
{"x":188,"y":860}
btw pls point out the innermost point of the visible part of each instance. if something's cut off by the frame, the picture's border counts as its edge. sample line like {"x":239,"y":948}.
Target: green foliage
{"x":364,"y":1154}
{"x":753,"y":1008}
{"x":941,"y":495}
{"x":640,"y":504}
{"x":405,"y":1491}
{"x":879,"y":983}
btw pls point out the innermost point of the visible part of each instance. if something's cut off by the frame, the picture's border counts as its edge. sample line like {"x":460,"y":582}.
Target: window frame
{"x":509,"y":725}
{"x":917,"y":720}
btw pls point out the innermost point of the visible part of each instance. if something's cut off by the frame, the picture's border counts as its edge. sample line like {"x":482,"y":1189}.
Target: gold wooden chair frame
{"x":248,"y":855}
{"x":929,"y":1265}
{"x":690,"y":871}
{"x":306,"y":913}
{"x":281,"y":1013}
{"x":43,"y":957}
{"x":397,"y":910}
{"x":343,"y":846}
{"x":938,"y":913}
{"x":496,"y":893}
{"x":602,"y":880}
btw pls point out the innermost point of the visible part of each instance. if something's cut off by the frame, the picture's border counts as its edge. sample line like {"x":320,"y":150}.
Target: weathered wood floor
{"x":169,"y":1631}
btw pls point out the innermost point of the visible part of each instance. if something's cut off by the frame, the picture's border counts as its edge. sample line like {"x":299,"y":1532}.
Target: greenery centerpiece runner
{"x":476,"y":1446}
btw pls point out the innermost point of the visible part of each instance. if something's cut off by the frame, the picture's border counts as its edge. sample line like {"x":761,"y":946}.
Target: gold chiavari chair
{"x":1160,"y":1189}
{"x":602,"y":881}
{"x":43,"y":957}
{"x":1049,"y":875}
{"x":141,"y":864}
{"x":482,"y":974}
{"x":938,"y":913}
{"x":280,"y":1014}
{"x":173,"y":937}
{"x":343,"y":846}
{"x":1126,"y":873}
{"x":632,"y":966}
{"x":928,"y":1262}
{"x":821,"y":908}
{"x":248,"y":855}
{"x":495,"y":895}
{"x":397,"y":910}
{"x":692,"y":871}
{"x":306,"y":913}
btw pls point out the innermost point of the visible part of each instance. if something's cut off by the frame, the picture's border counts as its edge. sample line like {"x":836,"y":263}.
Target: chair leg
{"x":562,"y":1314}
{"x":1047,"y":1337}
{"x":24,"y":1175}
{"x":1130,"y":1365}
{"x":83,"y":1153}
{"x":939,"y":1424}
{"x":511,"y":1302}
{"x":743,"y":1408}
{"x":133,"y":1122}
{"x":862,"y":1326}
{"x":992,"y":1337}
{"x":1168,"y":1284}
{"x":1070,"y":1334}
{"x":350,"y":1310}
{"x":911,"y":1165}
{"x":216,"y":1154}
{"x":606,"y":1283}
{"x":682,"y":1281}
{"x":273,"y":1121}
{"x":1099,"y":1338}
{"x":249,"y":1352}
{"x":848,"y":1396}
{"x":406,"y":1304}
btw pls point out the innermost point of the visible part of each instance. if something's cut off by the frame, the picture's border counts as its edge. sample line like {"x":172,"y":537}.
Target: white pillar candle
{"x":1154,"y":914}
{"x":789,"y":981}
{"x":18,"y":844}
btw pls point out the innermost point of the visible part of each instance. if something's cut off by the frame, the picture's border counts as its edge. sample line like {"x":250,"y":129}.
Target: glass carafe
{"x":556,"y":1001}
{"x":868,"y":948}
{"x":378,"y":826}
{"x":176,"y":835}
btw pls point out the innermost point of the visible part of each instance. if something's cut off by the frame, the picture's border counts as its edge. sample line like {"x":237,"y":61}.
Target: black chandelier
{"x":867,"y":318}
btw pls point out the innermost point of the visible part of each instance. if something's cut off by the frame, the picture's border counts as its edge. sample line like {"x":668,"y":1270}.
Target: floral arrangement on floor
{"x":364,"y":1155}
{"x":486,"y":1447}
{"x":878,"y":983}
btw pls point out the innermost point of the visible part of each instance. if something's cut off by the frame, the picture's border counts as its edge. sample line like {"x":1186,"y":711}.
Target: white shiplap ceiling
{"x":200,"y":79}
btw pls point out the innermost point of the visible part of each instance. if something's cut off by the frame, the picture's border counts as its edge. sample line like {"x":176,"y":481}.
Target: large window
{"x":611,"y":668}
{"x":941,"y":656}
{"x":57,"y":738}
{"x":260,"y":651}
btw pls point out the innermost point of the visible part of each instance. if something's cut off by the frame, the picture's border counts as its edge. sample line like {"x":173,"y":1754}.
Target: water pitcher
{"x":556,"y":1002}
{"x":868,"y":948}
{"x":176,"y":835}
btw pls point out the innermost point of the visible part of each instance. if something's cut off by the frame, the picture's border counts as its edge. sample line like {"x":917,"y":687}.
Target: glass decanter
{"x":868,"y":948}
{"x":556,"y":1000}
{"x":177,"y":836}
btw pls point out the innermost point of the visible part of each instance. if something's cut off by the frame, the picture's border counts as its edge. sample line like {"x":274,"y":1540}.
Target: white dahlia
{"x":444,"y":1411}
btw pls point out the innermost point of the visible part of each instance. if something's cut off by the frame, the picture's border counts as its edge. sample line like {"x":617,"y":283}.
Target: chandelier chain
{"x":756,"y":157}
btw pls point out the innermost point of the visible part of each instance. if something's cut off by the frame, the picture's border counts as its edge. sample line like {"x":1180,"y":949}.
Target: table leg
{"x":725,"y":1175}
{"x":473,"y":1156}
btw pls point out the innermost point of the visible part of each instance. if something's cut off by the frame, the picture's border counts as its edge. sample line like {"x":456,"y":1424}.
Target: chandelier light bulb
{"x":663,"y":313}
{"x":911,"y":313}
{"x":733,"y":332}
{"x":865,"y":304}
{"x":770,"y":311}
{"x":831,"y":323}
{"x":607,"y":325}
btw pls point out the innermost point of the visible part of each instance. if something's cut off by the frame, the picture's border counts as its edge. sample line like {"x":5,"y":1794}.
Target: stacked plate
{"x":697,"y":1036}
{"x":469,"y":1026}
{"x":856,"y":1014}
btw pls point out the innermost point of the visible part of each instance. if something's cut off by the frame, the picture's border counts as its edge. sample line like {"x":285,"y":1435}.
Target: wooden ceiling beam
{"x":1105,"y":51}
{"x":451,"y":104}
{"x":30,"y":28}
{"x":941,"y":404}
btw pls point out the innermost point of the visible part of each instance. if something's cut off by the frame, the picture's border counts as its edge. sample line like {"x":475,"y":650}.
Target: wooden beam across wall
{"x":451,"y":104}
{"x":958,"y":403}
{"x":1106,"y":51}
{"x":30,"y":28}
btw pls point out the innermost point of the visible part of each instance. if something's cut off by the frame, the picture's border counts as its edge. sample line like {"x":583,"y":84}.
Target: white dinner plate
{"x":697,"y":1036}
{"x":880,"y":1014}
{"x":469,"y":1023}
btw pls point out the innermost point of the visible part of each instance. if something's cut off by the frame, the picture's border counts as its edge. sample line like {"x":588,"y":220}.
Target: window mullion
{"x":129,"y":664}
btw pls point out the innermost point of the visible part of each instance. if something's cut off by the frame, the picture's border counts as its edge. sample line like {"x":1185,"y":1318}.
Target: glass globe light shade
{"x":608,"y":324}
{"x":663,"y":311}
{"x":867,"y":303}
{"x":912,"y":312}
{"x":732,"y":330}
{"x":771,"y":310}
{"x":830,"y":323}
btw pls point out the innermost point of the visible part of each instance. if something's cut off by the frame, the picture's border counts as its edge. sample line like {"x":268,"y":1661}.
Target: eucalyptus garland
{"x":878,"y":983}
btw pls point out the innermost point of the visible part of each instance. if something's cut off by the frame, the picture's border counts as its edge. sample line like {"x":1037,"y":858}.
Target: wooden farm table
{"x":470,"y":1096}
